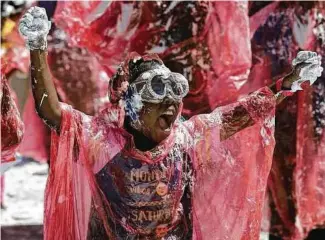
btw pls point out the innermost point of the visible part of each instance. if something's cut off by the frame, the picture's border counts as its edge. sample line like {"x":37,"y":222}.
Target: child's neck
{"x":141,"y":142}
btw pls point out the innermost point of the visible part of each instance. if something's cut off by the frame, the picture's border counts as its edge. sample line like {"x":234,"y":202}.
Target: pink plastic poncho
{"x":12,"y":127}
{"x":98,"y":178}
{"x":199,"y":39}
{"x":297,"y":180}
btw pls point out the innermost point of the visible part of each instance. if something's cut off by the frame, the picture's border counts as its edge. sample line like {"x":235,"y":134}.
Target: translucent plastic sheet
{"x":191,"y":184}
{"x":296,"y":179}
{"x":198,"y":39}
{"x":12,"y":128}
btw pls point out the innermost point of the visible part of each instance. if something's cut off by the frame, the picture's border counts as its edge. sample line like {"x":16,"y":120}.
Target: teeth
{"x":168,"y":113}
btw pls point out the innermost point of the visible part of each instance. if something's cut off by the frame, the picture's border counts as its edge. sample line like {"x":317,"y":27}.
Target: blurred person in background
{"x":13,"y":51}
{"x":12,"y":129}
{"x":14,"y":68}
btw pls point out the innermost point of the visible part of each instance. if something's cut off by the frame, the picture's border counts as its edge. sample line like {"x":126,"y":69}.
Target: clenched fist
{"x":306,"y":67}
{"x":34,"y":28}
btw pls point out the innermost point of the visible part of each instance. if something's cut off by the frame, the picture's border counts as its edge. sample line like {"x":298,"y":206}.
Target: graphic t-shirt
{"x":229,"y":181}
{"x":147,"y":201}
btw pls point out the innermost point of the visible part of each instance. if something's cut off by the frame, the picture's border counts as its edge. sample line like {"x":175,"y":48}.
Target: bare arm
{"x":46,"y":99}
{"x":34,"y":27}
{"x":238,"y":118}
{"x":234,"y":121}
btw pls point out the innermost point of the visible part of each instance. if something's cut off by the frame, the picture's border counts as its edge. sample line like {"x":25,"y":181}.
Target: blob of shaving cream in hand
{"x":34,"y":28}
{"x":310,"y":71}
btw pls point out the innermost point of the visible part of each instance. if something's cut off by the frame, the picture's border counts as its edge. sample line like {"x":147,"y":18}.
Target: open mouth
{"x":166,"y":120}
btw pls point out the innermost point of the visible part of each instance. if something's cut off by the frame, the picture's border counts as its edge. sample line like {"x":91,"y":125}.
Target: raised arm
{"x":306,"y":67}
{"x":240,"y":116}
{"x":34,"y":27}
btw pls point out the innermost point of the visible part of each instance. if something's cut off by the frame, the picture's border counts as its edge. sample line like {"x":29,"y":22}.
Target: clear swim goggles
{"x":155,"y":85}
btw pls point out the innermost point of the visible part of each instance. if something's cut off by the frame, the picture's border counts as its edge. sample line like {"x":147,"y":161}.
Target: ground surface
{"x":24,"y":193}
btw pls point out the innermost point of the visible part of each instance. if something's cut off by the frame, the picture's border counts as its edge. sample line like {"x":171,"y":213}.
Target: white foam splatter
{"x":44,"y":96}
{"x":310,"y":72}
{"x":34,"y":28}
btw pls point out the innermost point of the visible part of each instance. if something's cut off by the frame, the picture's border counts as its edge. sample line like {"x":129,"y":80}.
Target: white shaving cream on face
{"x":137,"y":102}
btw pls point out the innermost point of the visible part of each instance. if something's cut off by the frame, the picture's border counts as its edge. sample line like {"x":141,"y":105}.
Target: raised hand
{"x":306,"y":67}
{"x":34,"y":28}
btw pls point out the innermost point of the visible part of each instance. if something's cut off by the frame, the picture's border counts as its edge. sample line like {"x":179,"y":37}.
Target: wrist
{"x":288,"y":80}
{"x":286,"y":85}
{"x":39,"y":43}
{"x":283,"y":87}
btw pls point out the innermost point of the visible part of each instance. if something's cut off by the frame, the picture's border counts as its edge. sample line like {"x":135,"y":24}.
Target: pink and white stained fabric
{"x":12,"y":128}
{"x":197,"y":39}
{"x":99,"y":183}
